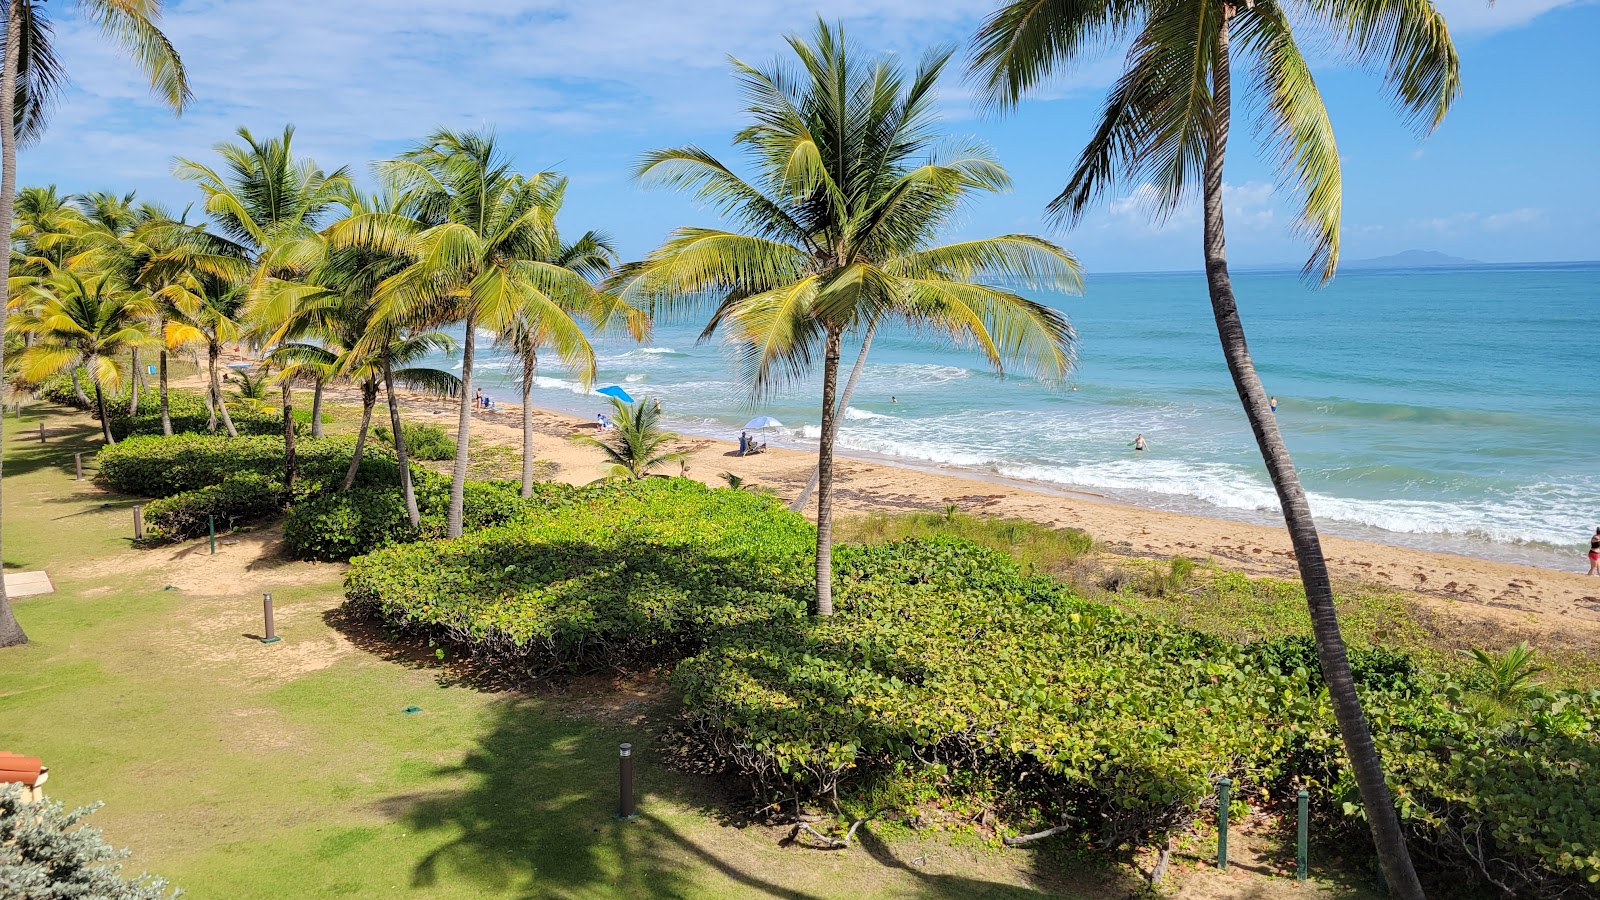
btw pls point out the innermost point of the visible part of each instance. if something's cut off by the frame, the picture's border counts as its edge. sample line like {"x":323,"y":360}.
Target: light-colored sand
{"x":1563,"y":608}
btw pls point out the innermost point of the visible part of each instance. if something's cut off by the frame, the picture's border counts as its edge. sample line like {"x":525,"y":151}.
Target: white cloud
{"x":1244,"y":206}
{"x":1514,"y":220}
{"x":1480,"y":16}
{"x":1455,"y":224}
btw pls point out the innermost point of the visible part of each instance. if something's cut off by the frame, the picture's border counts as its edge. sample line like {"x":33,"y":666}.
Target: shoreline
{"x":1491,"y":596}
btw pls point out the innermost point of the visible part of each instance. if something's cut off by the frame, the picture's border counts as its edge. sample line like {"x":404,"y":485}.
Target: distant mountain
{"x":1409,"y":259}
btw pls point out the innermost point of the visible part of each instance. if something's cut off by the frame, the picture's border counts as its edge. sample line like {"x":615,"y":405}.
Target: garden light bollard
{"x":77,"y":465}
{"x":1222,"y":823}
{"x":1300,"y":860}
{"x":211,"y":527}
{"x":41,"y":432}
{"x":625,"y":808}
{"x":271,"y":636}
{"x":138,"y":522}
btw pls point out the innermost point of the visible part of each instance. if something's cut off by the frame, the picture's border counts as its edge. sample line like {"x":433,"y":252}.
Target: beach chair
{"x":28,"y":771}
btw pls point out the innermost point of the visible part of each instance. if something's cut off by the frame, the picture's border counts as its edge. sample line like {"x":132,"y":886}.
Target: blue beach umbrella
{"x":763,"y":422}
{"x":617,"y":392}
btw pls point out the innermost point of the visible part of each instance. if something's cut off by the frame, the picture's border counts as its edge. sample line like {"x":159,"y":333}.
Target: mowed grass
{"x":242,"y":770}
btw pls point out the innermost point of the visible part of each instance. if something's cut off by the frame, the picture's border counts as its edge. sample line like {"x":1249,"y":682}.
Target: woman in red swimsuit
{"x":1594,"y":553}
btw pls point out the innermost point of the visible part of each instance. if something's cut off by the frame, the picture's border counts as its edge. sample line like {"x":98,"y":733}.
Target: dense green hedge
{"x":947,"y":666}
{"x":239,"y":499}
{"x":155,"y":466}
{"x":607,"y":575}
{"x":340,"y":526}
{"x":425,"y":442}
{"x":186,"y":409}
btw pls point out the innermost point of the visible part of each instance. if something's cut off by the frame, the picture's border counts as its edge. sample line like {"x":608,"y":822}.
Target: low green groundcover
{"x":945,"y":666}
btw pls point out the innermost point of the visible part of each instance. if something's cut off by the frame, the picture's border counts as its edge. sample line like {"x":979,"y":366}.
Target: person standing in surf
{"x":1138,"y":443}
{"x":1594,"y":553}
{"x":1274,"y":401}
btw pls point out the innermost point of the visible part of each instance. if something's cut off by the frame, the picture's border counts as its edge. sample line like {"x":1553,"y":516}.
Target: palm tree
{"x":478,"y":235}
{"x":250,"y":391}
{"x":202,"y":308}
{"x":86,"y":320}
{"x":593,"y":257}
{"x":269,"y":205}
{"x":853,"y":186}
{"x":636,"y":448}
{"x":1166,"y":123}
{"x":31,"y":78}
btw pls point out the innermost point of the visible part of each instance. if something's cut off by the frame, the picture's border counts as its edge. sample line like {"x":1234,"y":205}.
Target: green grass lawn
{"x":242,"y":770}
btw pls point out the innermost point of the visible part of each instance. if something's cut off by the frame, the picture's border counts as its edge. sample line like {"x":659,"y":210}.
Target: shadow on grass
{"x":535,"y":817}
{"x":67,"y":431}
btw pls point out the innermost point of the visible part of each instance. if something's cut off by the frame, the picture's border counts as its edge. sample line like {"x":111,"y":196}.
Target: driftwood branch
{"x":832,"y":843}
{"x":1036,"y":836}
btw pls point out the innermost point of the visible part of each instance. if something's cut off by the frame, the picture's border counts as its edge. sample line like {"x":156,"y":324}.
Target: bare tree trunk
{"x":11,"y":633}
{"x":529,"y":366}
{"x":844,"y":405}
{"x":316,"y":409}
{"x":289,"y":466}
{"x":458,"y":478}
{"x":135,"y":382}
{"x":830,"y":382}
{"x":1368,"y":768}
{"x":407,"y":490}
{"x":166,"y":411}
{"x":369,"y":399}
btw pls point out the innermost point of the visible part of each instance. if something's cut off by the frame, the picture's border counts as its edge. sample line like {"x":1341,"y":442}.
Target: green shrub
{"x":607,"y":575}
{"x":1037,"y":547}
{"x":187,"y":410}
{"x":155,"y":466}
{"x":239,"y":499}
{"x":46,"y":853}
{"x":425,"y":442}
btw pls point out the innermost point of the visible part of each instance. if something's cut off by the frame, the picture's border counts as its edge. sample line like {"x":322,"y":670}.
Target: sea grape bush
{"x":946,"y":664}
{"x":155,"y":466}
{"x":607,"y":574}
{"x":240,"y":499}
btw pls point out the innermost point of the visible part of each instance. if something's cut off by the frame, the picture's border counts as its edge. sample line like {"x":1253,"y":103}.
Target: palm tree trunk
{"x":100,"y":407}
{"x":134,"y":383}
{"x":369,"y":399}
{"x":406,"y":489}
{"x":529,"y":366}
{"x":844,"y":404}
{"x":1375,"y":796}
{"x":316,"y":410}
{"x":830,"y":382}
{"x":458,"y":477}
{"x":11,"y":633}
{"x":166,"y":411}
{"x":213,"y":353}
{"x":288,"y":437}
{"x":77,"y":388}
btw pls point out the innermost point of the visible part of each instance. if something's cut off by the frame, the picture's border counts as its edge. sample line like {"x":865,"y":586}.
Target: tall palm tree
{"x":478,"y":235}
{"x":270,"y":204}
{"x":593,"y":257}
{"x":1166,"y":123}
{"x":853,"y":186}
{"x":203,"y":309}
{"x":639,"y":444}
{"x":31,"y":78}
{"x":88,"y":320}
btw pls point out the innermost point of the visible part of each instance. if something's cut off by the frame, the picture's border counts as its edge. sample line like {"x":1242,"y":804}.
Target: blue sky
{"x":585,"y":87}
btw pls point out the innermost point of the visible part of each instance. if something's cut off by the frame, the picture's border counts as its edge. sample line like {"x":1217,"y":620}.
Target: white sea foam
{"x":863,"y":415}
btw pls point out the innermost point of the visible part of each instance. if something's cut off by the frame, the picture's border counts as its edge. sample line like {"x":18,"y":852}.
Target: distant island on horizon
{"x":1410,"y":259}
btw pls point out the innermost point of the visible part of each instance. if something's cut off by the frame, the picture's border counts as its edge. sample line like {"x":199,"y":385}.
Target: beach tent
{"x":763,"y":422}
{"x":617,"y":392}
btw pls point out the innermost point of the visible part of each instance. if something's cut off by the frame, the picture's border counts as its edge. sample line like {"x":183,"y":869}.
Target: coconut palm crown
{"x":853,"y":184}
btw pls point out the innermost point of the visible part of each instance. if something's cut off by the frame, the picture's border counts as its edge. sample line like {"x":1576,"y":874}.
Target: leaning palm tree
{"x":853,"y":186}
{"x":1165,"y":125}
{"x":31,"y":78}
{"x":478,"y":235}
{"x":88,"y":320}
{"x":638,"y":445}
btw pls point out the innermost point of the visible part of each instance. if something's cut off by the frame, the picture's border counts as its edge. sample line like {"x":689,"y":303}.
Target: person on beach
{"x":477,"y":398}
{"x":1594,"y":553}
{"x":1274,"y":401}
{"x":744,"y":442}
{"x":1138,"y":443}
{"x":893,"y":399}
{"x":658,"y":404}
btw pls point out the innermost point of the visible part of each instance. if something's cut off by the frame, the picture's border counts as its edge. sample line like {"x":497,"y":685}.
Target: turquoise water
{"x":1449,"y":409}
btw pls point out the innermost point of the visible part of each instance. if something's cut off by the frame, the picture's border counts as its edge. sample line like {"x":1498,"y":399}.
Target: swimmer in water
{"x":1138,"y":443}
{"x":1274,"y":401}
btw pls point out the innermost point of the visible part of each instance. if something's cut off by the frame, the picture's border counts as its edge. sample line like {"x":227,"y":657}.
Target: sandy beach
{"x":1482,"y":596}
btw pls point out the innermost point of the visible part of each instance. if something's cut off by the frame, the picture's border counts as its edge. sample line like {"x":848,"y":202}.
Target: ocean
{"x":1449,"y":409}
